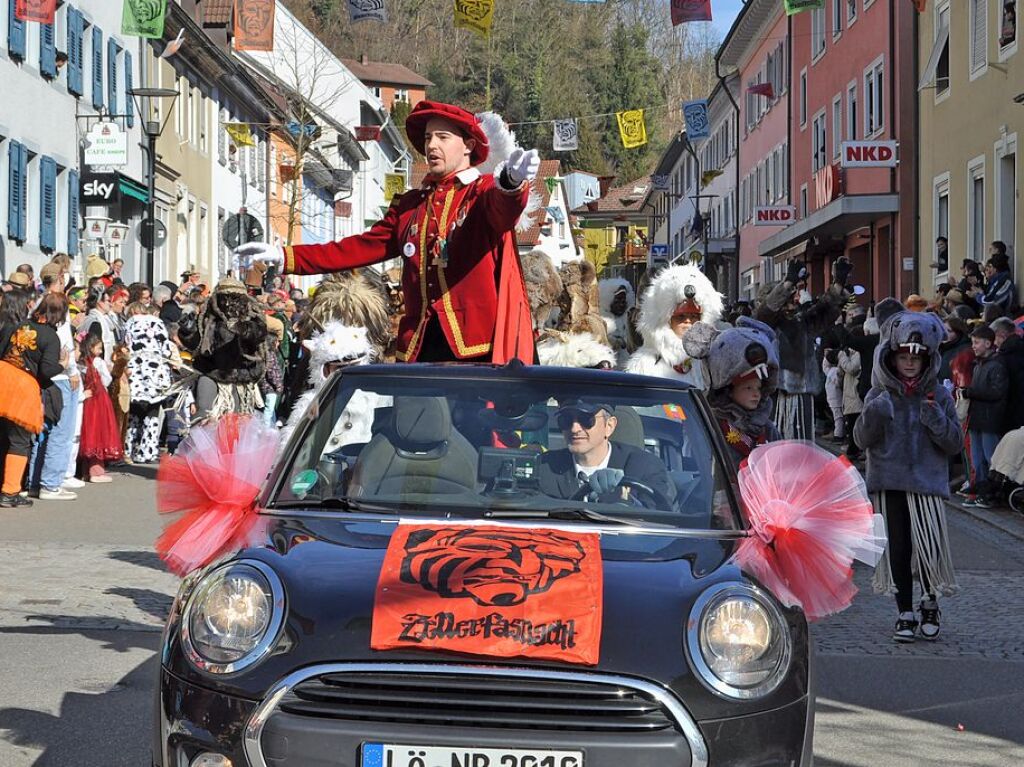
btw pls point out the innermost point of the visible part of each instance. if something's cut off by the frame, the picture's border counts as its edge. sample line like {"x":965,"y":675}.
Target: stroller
{"x":1008,"y":463}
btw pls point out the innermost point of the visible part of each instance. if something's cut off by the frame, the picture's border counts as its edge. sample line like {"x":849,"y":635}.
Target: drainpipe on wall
{"x":734,"y":282}
{"x":896,"y":270}
{"x":916,"y":176}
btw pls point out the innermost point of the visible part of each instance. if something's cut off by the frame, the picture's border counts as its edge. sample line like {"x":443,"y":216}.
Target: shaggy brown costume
{"x":580,"y":302}
{"x":359,"y":298}
{"x":543,"y":286}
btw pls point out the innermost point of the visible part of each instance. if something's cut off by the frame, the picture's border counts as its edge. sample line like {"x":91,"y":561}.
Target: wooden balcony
{"x":633,"y":254}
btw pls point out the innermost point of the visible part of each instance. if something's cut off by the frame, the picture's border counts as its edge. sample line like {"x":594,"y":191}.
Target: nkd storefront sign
{"x":774,"y":215}
{"x":827,"y":185}
{"x":869,"y":154}
{"x":99,"y":188}
{"x":106,"y":144}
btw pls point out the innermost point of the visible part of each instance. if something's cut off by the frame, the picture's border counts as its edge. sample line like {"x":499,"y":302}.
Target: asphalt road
{"x":82,"y":599}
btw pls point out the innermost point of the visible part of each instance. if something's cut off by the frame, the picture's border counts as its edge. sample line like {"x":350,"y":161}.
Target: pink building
{"x":851,"y":76}
{"x":756,"y":47}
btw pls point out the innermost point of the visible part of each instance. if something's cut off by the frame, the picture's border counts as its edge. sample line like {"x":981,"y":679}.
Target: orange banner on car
{"x":498,"y":591}
{"x":254,"y":25}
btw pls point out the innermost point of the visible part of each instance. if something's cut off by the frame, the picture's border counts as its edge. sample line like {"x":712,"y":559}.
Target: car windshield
{"x":506,"y":448}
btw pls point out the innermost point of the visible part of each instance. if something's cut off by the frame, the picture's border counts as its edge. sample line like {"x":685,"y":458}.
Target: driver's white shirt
{"x":588,"y":470}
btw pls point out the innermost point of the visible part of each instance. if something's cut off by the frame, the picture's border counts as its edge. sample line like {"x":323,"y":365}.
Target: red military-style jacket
{"x":451,"y":235}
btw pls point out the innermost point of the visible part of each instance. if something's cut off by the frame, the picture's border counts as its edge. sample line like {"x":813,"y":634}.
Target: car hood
{"x":330,"y":567}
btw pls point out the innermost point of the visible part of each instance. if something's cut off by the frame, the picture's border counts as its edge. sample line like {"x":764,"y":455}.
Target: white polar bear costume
{"x":663,"y":353}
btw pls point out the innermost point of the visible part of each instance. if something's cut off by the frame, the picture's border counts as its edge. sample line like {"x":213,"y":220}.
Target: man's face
{"x":747,"y":393}
{"x":909,"y":365}
{"x":194,"y":279}
{"x":586,"y":433}
{"x":446,"y":150}
{"x":618,"y":306}
{"x":940,"y":246}
{"x":981,"y":346}
{"x":116,"y":267}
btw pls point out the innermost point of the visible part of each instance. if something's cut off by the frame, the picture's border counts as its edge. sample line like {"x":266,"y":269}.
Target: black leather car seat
{"x":417,"y":452}
{"x":630,"y":429}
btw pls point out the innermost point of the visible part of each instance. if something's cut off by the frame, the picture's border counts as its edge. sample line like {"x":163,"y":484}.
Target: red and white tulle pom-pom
{"x":214,"y":477}
{"x":810,"y":516}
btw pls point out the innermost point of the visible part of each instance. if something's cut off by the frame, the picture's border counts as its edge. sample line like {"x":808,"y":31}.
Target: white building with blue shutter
{"x":55,"y":82}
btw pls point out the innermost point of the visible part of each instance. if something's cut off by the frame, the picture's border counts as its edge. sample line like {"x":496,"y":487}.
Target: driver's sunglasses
{"x":567,"y":418}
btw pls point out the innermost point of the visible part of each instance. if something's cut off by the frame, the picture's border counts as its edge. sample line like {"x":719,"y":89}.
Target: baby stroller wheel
{"x":1017,"y":500}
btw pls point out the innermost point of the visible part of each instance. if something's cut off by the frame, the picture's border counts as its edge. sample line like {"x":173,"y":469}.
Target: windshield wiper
{"x":341,"y":503}
{"x":561,"y":513}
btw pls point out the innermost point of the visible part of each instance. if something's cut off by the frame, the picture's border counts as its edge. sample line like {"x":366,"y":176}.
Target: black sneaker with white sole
{"x":930,"y":613}
{"x":906,"y":628}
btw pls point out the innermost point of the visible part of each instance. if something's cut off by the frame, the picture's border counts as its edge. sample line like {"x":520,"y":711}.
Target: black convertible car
{"x":443,"y":581}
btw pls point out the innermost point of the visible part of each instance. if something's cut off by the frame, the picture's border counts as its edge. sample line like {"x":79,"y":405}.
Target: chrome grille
{"x":477,"y":701}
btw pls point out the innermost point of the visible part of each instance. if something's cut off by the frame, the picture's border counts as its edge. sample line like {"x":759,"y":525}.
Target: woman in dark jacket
{"x":30,"y":355}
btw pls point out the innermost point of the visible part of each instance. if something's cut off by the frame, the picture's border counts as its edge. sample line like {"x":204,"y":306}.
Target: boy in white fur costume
{"x":617,"y":298}
{"x":676,"y":299}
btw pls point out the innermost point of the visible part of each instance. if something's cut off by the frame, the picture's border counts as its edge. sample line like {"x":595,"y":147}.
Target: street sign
{"x":106,"y":144}
{"x":151,"y":233}
{"x":98,"y":188}
{"x":869,"y":154}
{"x":774,"y":215}
{"x":240,"y":229}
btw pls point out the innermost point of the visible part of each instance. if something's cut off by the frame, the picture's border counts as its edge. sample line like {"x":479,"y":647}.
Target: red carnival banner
{"x":684,"y":11}
{"x":499,"y":591}
{"x":254,"y":25}
{"x":368,"y":133}
{"x":35,"y":10}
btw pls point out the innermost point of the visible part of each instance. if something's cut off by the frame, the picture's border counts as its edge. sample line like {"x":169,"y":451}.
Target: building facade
{"x":389,"y":83}
{"x":971,"y":102}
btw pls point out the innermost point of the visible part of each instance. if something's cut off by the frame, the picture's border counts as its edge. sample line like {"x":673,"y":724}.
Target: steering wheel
{"x":642,"y":495}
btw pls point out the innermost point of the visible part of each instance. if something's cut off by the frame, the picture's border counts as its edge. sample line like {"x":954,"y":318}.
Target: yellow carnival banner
{"x":240,"y":134}
{"x":394,"y":184}
{"x":632,"y":129}
{"x":475,"y":15}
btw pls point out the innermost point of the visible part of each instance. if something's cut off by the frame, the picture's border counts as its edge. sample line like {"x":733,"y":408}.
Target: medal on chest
{"x":409,"y":250}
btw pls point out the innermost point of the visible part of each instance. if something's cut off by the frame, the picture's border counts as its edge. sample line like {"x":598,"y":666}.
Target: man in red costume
{"x":464,"y":293}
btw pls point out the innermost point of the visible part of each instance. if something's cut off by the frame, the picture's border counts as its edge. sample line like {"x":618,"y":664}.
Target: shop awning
{"x":131,"y":188}
{"x":837,"y":218}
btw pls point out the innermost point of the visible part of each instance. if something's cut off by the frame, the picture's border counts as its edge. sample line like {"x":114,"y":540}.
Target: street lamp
{"x":153,"y":129}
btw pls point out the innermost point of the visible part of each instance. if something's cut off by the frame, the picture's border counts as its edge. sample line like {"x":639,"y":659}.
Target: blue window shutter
{"x":73,"y":182}
{"x":47,"y":51}
{"x":13,"y":188}
{"x":48,"y":203}
{"x":15,"y":33}
{"x":23,"y":193}
{"x":75,"y":32}
{"x":129,"y":83}
{"x":112,"y":76}
{"x":97,"y":67}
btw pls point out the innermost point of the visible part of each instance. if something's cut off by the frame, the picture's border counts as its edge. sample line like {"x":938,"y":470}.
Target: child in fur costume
{"x":617,"y":298}
{"x":909,"y":429}
{"x":677,"y":299}
{"x":744,"y":371}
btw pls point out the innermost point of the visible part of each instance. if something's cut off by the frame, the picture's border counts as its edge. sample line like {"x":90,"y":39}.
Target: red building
{"x":389,"y":82}
{"x":851,"y":79}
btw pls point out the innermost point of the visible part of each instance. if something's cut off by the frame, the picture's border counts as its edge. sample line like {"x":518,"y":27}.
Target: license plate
{"x":397,"y":755}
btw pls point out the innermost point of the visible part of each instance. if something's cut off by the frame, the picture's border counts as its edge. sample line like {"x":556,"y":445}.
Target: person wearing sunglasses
{"x":593,"y":460}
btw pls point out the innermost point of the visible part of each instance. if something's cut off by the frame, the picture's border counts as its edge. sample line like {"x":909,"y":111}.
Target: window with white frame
{"x":851,"y":11}
{"x":837,"y":18}
{"x":1008,"y":24}
{"x":940,"y":214}
{"x":817,"y":32}
{"x":803,"y":97}
{"x":976,"y":209}
{"x":803,"y":201}
{"x":874,"y":92}
{"x":837,"y":125}
{"x":851,"y":111}
{"x":979,"y":37}
{"x":818,"y":145}
{"x":402,"y":95}
{"x":942,"y":57}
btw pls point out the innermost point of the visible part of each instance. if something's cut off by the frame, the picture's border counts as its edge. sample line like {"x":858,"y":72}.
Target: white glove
{"x":522,"y":166}
{"x":257,"y":252}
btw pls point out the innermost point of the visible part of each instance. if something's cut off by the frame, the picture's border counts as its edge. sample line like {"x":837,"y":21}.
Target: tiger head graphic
{"x":492,"y":567}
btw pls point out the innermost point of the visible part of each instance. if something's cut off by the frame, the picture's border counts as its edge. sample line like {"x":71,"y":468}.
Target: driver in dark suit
{"x":592,"y":460}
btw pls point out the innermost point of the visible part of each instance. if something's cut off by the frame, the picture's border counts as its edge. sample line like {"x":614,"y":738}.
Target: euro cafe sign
{"x":869,"y":154}
{"x":774,"y":215}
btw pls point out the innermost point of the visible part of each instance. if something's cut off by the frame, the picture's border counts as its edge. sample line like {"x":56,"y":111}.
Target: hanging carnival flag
{"x":240,"y":134}
{"x":567,"y":136}
{"x":690,"y":10}
{"x":762,"y":89}
{"x":632,"y":129}
{"x":475,"y":15}
{"x":308,"y":130}
{"x":144,"y":18}
{"x":796,"y":6}
{"x":254,"y":25}
{"x":919,"y":5}
{"x":35,"y":10}
{"x":708,"y":176}
{"x":661,"y":183}
{"x":367,"y":10}
{"x":368,"y":133}
{"x":394,"y":184}
{"x":695,"y":113}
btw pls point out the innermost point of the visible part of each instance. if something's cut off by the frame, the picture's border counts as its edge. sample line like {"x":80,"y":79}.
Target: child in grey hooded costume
{"x":909,"y":429}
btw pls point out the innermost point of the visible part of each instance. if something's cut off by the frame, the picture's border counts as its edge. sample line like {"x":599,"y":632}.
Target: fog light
{"x":206,"y":759}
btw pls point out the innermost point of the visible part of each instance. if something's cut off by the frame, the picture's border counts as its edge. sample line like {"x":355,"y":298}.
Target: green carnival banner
{"x":144,"y":18}
{"x":796,"y":6}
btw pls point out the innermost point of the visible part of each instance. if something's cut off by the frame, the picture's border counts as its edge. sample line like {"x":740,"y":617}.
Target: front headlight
{"x":738,"y":641}
{"x":233,"y":617}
